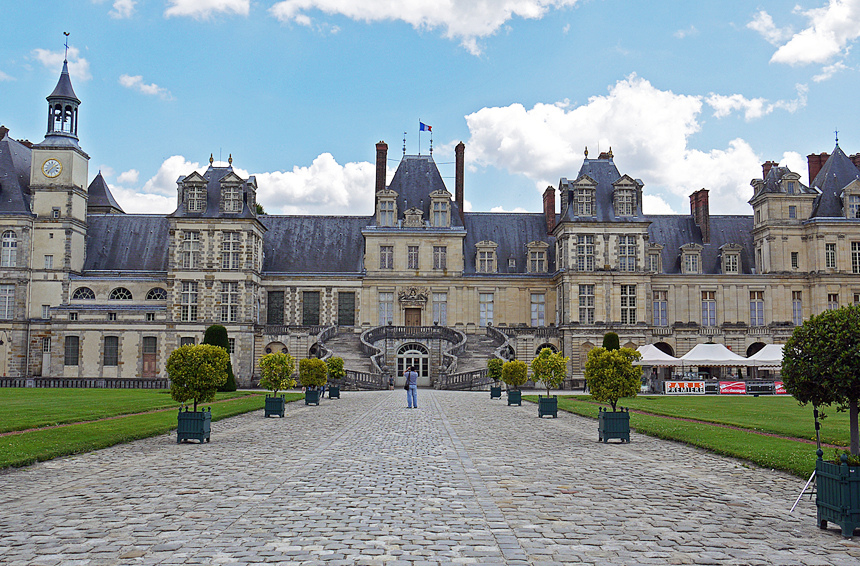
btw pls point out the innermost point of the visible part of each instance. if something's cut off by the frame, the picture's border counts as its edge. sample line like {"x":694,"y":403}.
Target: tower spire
{"x":63,"y":108}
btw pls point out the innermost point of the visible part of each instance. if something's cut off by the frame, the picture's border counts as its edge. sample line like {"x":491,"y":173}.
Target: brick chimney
{"x":855,"y":159}
{"x":815,"y":162}
{"x":766,"y":167}
{"x":549,"y":208}
{"x":701,"y":214}
{"x":381,"y":169}
{"x":459,"y":152}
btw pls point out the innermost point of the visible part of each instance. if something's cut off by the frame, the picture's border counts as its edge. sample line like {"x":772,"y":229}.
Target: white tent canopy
{"x":654,"y":356}
{"x":769,"y":356}
{"x":714,"y":355}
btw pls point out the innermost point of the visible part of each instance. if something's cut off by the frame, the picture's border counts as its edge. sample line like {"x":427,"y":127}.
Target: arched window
{"x":120,"y":294}
{"x":156,"y":294}
{"x":414,"y":355}
{"x":546,"y":345}
{"x":84,"y":293}
{"x":9,"y":255}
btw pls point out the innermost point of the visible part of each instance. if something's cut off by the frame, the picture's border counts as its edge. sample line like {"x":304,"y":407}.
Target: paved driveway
{"x":364,"y":480}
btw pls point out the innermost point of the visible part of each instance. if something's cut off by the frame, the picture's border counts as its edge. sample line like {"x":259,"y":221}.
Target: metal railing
{"x":85,"y":382}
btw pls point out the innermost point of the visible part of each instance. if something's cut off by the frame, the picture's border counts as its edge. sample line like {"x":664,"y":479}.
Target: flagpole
{"x":419,"y":136}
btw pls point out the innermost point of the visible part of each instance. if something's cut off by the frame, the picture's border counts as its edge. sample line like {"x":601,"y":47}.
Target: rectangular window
{"x":188,"y":302}
{"x":623,"y":202}
{"x":856,"y":299}
{"x":111,"y":316}
{"x":229,"y":301}
{"x":232,"y":196}
{"x":310,"y":308}
{"x":731,"y":261}
{"x":190,"y":250}
{"x":709,"y":308}
{"x":73,"y":316}
{"x":797,"y":307}
{"x":46,"y":311}
{"x":585,"y":253}
{"x":485,"y":306}
{"x":790,"y":187}
{"x":346,"y":309}
{"x":9,"y":252}
{"x":691,"y":263}
{"x":7,"y":302}
{"x":795,"y":261}
{"x":150,"y":317}
{"x":49,"y":262}
{"x":654,"y":263}
{"x":386,"y":257}
{"x":111,"y":350}
{"x":231,"y":346}
{"x":537,"y":261}
{"x":830,"y":256}
{"x":855,"y":257}
{"x":275,"y":307}
{"x":412,"y":257}
{"x":854,"y":206}
{"x":627,"y":253}
{"x":832,"y":301}
{"x":628,"y":304}
{"x":70,"y":354}
{"x":440,"y":257}
{"x":538,"y":309}
{"x":187,"y":341}
{"x":756,"y":308}
{"x":46,"y":345}
{"x":230,"y":254}
{"x":586,"y":304}
{"x":584,"y":199}
{"x":440,"y":213}
{"x":196,"y":196}
{"x":486,"y":262}
{"x":386,"y":213}
{"x":386,"y":308}
{"x":660,"y":311}
{"x":792,"y":211}
{"x":440,"y":308}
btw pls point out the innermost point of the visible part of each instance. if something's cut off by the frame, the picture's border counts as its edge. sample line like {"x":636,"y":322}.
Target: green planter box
{"x":838,"y":494}
{"x":515,"y":397}
{"x":334,"y":391}
{"x":275,"y":406}
{"x":194,"y":425}
{"x":312,"y":397}
{"x":495,"y":392}
{"x":547,"y":406}
{"x":613,"y":424}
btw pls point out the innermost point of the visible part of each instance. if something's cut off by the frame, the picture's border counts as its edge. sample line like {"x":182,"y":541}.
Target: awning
{"x":768,"y":357}
{"x":714,"y":355}
{"x":655,"y":357}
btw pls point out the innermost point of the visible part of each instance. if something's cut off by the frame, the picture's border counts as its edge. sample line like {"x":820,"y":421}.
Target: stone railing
{"x":85,"y":382}
{"x":539,"y":331}
{"x":466,"y":381}
{"x":369,"y":339}
{"x":506,"y":350}
{"x":363,"y":380}
{"x":322,"y":352}
{"x":286,"y":329}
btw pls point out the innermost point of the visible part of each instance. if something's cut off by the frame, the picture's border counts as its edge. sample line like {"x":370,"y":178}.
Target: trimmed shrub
{"x":610,"y":341}
{"x":277,"y":372}
{"x":494,"y":368}
{"x":196,"y":372}
{"x":312,"y":372}
{"x":550,"y":368}
{"x":514,"y":373}
{"x":216,"y":335}
{"x":335,"y":368}
{"x":611,"y":374}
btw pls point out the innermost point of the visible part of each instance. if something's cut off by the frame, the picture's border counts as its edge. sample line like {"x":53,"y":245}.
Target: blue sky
{"x":687,"y":95}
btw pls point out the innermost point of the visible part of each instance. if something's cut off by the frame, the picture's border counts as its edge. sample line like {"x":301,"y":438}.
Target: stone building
{"x":89,"y":291}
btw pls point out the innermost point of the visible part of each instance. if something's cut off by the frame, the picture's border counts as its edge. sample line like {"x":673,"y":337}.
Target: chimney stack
{"x":855,"y":159}
{"x":701,"y":214}
{"x":549,"y":208}
{"x":815,"y":162}
{"x":766,"y":167}
{"x":459,"y":152}
{"x":381,"y":169}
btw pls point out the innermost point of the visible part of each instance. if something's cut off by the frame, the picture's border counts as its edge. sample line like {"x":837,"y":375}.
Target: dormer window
{"x":386,"y":208}
{"x":231,"y":198}
{"x":537,"y":257}
{"x":655,"y":258}
{"x":195,"y":198}
{"x":486,"y":256}
{"x":853,"y":206}
{"x":730,"y":254}
{"x":440,"y":206}
{"x":691,"y":259}
{"x":790,"y":187}
{"x":583,"y":198}
{"x":625,"y":202}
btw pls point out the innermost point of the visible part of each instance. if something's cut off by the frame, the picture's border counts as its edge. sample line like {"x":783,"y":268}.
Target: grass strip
{"x":37,"y":446}
{"x":797,"y":458}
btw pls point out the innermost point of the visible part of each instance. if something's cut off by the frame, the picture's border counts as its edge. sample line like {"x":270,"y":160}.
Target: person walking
{"x":411,"y":387}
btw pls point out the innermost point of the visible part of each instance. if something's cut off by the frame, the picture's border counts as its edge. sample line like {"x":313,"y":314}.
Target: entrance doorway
{"x":414,"y":355}
{"x":413,"y":317}
{"x":150,"y":348}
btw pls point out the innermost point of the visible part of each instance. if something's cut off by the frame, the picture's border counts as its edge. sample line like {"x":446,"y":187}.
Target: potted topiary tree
{"x":196,"y":372}
{"x":821,"y":365}
{"x":550,"y":369}
{"x":514,"y":374}
{"x":336,"y":372}
{"x":611,"y":375}
{"x":312,"y":374}
{"x":277,"y":375}
{"x":494,"y":372}
{"x":216,"y":335}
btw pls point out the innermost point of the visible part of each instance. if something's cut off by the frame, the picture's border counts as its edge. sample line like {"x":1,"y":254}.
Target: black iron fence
{"x":85,"y":382}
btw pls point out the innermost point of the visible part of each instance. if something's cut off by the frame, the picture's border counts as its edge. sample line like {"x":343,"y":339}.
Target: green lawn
{"x":26,"y":448}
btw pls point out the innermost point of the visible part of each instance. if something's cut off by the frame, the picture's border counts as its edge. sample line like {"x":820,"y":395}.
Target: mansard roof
{"x":603,"y":172}
{"x":416,"y":177}
{"x":213,"y":177}
{"x":773,"y":182}
{"x":837,"y":173}
{"x":100,"y":199}
{"x":127,"y":242}
{"x":14,"y":177}
{"x":313,"y":244}
{"x":675,"y":230}
{"x":512,"y":232}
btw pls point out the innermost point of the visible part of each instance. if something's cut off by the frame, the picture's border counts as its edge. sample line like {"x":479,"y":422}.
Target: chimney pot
{"x":549,"y":208}
{"x":766,"y":167}
{"x":460,"y":153}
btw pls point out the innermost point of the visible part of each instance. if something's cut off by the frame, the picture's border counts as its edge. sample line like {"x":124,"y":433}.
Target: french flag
{"x":422,"y":127}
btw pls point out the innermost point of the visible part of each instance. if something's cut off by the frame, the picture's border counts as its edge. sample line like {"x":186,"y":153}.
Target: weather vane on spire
{"x":837,"y":137}
{"x":66,"y":56}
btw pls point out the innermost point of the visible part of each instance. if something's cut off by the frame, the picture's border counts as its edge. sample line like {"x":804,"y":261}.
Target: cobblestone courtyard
{"x":363,"y":480}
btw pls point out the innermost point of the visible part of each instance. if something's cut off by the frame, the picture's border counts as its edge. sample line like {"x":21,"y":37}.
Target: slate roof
{"x":14,"y":177}
{"x":416,"y":177}
{"x":835,"y":175}
{"x":213,"y":176}
{"x":511,"y":231}
{"x":127,"y":242}
{"x":604,"y":172}
{"x":64,"y":86}
{"x":313,"y":244}
{"x":673,"y":231}
{"x":100,"y":198}
{"x":772,"y":184}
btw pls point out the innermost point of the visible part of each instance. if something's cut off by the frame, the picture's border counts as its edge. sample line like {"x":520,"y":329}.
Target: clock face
{"x":52,"y":168}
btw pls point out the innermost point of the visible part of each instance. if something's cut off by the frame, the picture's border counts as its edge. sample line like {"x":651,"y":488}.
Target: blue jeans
{"x":412,"y":396}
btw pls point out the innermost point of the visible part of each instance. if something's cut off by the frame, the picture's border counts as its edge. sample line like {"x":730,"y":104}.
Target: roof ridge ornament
{"x":586,"y":152}
{"x":230,"y":160}
{"x":66,"y":54}
{"x":211,"y":159}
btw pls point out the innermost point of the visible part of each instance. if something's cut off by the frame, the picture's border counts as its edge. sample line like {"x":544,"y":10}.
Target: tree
{"x":216,"y":335}
{"x":312,"y":372}
{"x":277,"y":372}
{"x":821,"y":364}
{"x":260,"y":209}
{"x":514,"y":373}
{"x":550,"y":368}
{"x":494,"y":369}
{"x":610,"y":341}
{"x":611,"y":374}
{"x":196,"y":372}
{"x":334,"y":365}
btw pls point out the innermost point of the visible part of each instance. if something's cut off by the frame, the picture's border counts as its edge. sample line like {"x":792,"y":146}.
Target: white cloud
{"x":763,"y":23}
{"x":831,"y":30}
{"x":652,"y":204}
{"x":829,"y":70}
{"x":690,"y":31}
{"x":502,"y":209}
{"x":79,"y":68}
{"x":724,"y":105}
{"x":205,"y":9}
{"x":648,"y":130}
{"x":5,"y":77}
{"x":465,"y":20}
{"x":136,"y":83}
{"x":122,"y":9}
{"x":164,"y":181}
{"x":128,"y":177}
{"x":133,"y":201}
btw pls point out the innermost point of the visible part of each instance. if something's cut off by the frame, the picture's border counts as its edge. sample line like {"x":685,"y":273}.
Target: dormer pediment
{"x":386,"y":193}
{"x":487,"y":244}
{"x":731,"y":247}
{"x":194,"y":178}
{"x":585,"y":180}
{"x":537,"y":244}
{"x":232,"y":178}
{"x":852,"y":188}
{"x":440,"y":194}
{"x":626,"y":182}
{"x":692,"y":247}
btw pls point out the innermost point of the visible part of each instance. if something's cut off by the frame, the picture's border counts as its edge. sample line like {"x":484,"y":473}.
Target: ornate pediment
{"x":413,"y":296}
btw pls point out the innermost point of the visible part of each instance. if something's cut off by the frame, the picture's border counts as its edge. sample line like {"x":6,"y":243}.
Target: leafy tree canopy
{"x":611,"y":374}
{"x":550,"y":368}
{"x":277,"y":372}
{"x":196,"y":372}
{"x":494,"y":368}
{"x":514,"y":373}
{"x":335,"y":368}
{"x":312,"y":372}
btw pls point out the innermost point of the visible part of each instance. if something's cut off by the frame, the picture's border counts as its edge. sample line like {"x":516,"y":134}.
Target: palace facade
{"x":89,"y":291}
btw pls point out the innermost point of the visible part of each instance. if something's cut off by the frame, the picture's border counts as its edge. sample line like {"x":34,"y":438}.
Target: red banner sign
{"x":733,"y":388}
{"x":684,"y":387}
{"x":780,"y":388}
